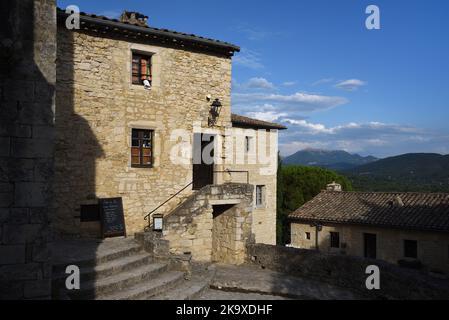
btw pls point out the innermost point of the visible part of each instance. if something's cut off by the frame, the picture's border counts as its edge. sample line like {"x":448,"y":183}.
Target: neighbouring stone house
{"x":410,"y":229}
{"x":135,"y":105}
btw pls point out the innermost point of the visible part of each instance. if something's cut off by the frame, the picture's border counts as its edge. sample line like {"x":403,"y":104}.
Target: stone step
{"x":148,"y":288}
{"x":88,"y":254}
{"x":96,"y":289}
{"x":108,"y":268}
{"x":188,"y":290}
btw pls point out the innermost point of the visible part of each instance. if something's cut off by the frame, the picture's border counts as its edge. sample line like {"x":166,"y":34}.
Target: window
{"x":411,"y":249}
{"x":142,"y":148}
{"x":141,"y":68}
{"x":307,"y":235}
{"x":90,"y":212}
{"x":248,"y":144}
{"x":335,"y":240}
{"x":260,"y":196}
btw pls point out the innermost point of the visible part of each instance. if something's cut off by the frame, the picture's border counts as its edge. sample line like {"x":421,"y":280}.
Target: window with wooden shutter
{"x":142,"y":148}
{"x":141,"y":68}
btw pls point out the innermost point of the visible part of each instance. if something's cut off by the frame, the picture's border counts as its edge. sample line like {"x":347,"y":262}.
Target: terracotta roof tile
{"x":241,"y":121}
{"x":421,"y":211}
{"x":92,"y":19}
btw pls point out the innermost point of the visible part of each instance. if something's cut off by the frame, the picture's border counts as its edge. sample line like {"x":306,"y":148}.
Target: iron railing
{"x":177,"y":193}
{"x":162,"y":204}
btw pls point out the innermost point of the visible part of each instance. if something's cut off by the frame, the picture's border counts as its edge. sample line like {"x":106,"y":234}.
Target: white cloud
{"x":267,"y":113}
{"x":249,"y":59}
{"x":259,"y":83}
{"x":297,"y":102}
{"x":350,"y":85}
{"x":289,"y":83}
{"x":322,"y":81}
{"x":376,"y":138}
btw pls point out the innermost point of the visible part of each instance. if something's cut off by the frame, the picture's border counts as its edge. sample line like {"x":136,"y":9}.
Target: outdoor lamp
{"x":158,"y":222}
{"x":215,"y":112}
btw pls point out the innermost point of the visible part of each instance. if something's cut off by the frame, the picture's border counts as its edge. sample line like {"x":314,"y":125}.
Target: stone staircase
{"x":119,"y":269}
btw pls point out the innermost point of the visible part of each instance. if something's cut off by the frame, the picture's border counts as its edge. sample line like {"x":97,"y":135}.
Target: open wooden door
{"x":203,"y":160}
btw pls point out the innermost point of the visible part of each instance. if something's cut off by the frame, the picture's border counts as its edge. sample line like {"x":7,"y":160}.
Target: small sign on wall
{"x":112,"y":218}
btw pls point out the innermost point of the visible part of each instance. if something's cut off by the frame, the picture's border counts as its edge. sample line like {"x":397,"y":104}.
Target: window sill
{"x":141,"y":166}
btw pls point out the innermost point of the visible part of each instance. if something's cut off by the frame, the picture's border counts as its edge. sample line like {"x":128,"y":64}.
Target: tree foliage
{"x":296,"y":186}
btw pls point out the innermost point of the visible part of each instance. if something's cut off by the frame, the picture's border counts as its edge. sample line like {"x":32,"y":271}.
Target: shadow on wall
{"x":77,"y":147}
{"x":27,"y":53}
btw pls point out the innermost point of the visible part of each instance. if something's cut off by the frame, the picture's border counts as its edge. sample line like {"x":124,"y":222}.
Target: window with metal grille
{"x":141,"y":68}
{"x":260,"y":197}
{"x":411,"y":249}
{"x":335,"y":240}
{"x":142,"y":148}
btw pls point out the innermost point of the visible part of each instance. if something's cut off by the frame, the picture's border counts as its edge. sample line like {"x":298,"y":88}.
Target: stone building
{"x":410,"y":229}
{"x":119,"y":109}
{"x":135,"y":107}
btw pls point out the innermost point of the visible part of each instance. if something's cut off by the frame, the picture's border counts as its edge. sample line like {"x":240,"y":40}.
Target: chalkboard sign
{"x":112,"y":217}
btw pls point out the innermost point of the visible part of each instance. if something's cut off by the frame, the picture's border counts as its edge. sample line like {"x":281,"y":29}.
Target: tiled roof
{"x":108,"y":25}
{"x":418,"y":211}
{"x":241,"y":121}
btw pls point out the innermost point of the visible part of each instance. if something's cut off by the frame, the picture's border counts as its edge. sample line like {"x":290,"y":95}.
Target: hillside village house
{"x":136,"y":108}
{"x":411,"y":229}
{"x":119,"y":109}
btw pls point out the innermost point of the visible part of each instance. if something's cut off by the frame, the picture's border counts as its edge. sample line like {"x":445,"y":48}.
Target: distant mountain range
{"x":414,"y":172}
{"x":407,"y":172}
{"x":330,"y":159}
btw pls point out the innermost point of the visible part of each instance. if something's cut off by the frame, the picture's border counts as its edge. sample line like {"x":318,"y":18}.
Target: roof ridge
{"x":173,"y":33}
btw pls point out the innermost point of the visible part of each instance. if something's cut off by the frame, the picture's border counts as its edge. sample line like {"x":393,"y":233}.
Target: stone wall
{"x":27,"y":79}
{"x":97,"y":109}
{"x":433,"y":247}
{"x":261,"y":163}
{"x":349,"y":272}
{"x":191,"y":227}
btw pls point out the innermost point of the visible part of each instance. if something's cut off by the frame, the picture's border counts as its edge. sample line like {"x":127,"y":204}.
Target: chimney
{"x":335,"y":187}
{"x":398,"y":202}
{"x":136,"y":18}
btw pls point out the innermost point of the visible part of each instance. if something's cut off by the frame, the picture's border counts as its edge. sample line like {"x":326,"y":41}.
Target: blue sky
{"x":312,"y":65}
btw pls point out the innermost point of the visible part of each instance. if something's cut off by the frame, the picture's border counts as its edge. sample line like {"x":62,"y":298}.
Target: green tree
{"x":296,"y":186}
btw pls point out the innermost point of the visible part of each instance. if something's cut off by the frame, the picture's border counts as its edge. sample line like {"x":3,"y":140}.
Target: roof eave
{"x":293,"y":218}
{"x":226,"y":48}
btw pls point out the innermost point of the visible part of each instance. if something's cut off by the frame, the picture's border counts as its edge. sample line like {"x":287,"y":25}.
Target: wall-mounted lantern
{"x":214,"y":112}
{"x":158,"y":222}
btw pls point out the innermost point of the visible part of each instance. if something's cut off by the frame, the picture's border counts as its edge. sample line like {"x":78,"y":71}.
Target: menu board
{"x":112,"y":217}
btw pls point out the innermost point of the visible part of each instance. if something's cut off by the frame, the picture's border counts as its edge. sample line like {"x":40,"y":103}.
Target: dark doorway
{"x":370,"y":245}
{"x":203,"y":160}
